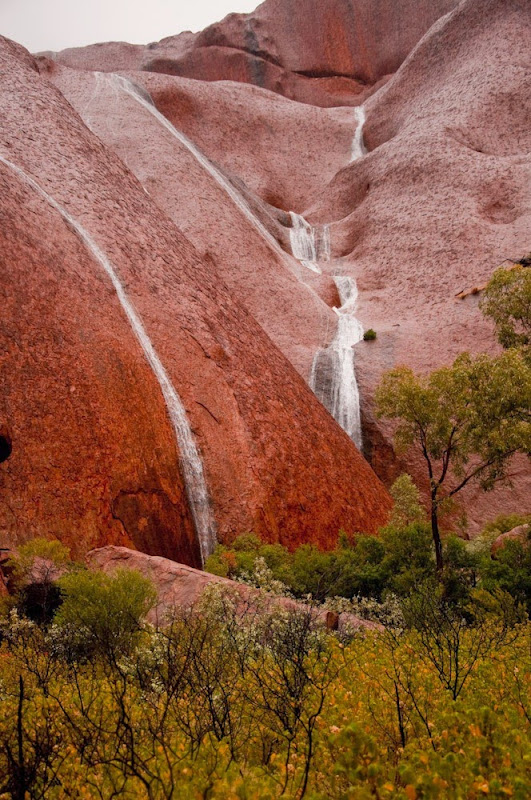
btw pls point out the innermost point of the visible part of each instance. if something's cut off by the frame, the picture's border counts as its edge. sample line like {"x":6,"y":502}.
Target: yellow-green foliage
{"x":507,"y":301}
{"x":223,"y":707}
{"x":407,"y":506}
{"x":50,"y":550}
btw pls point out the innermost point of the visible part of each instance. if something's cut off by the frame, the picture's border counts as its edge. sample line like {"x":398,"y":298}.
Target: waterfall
{"x":142,"y":96}
{"x":191,"y":464}
{"x":333,"y":378}
{"x":358,"y":146}
{"x":309,"y":245}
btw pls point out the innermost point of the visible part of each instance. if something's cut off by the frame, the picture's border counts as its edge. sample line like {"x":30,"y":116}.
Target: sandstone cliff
{"x":94,"y":455}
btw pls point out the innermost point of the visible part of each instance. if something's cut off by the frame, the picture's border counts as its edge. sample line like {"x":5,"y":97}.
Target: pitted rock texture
{"x":442,"y":197}
{"x":94,"y":459}
{"x":261,"y":273}
{"x":322,"y":53}
{"x":179,"y":588}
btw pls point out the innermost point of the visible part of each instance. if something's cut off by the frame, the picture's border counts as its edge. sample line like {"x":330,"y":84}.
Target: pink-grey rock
{"x":522,"y":534}
{"x":327,"y":54}
{"x":442,"y":198}
{"x":180,"y":587}
{"x":291,"y":303}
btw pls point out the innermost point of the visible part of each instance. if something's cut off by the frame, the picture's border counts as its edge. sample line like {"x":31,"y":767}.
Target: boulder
{"x":522,"y":533}
{"x":180,"y":587}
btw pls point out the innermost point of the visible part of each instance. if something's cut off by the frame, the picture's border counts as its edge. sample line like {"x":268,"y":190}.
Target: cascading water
{"x":191,"y":464}
{"x":335,"y":384}
{"x":333,"y":378}
{"x":309,"y":245}
{"x":358,"y":145}
{"x":142,"y":96}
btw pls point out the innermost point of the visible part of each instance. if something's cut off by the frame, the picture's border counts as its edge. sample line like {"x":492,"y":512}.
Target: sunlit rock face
{"x":322,"y":53}
{"x":110,"y":319}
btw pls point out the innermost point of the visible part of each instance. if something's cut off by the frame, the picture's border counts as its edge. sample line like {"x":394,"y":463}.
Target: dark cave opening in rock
{"x":5,"y":448}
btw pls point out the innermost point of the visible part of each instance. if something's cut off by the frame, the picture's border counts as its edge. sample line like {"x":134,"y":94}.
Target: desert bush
{"x":219,"y":704}
{"x":510,"y":570}
{"x":35,"y":570}
{"x":102,"y":614}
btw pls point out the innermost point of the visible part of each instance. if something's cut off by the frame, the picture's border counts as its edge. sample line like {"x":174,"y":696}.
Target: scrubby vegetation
{"x":466,"y":420}
{"x":507,"y":301}
{"x":246,"y":699}
{"x":469,"y":419}
{"x":397,"y":562}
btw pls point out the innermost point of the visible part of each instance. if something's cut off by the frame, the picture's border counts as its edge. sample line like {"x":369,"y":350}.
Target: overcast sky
{"x":56,"y":24}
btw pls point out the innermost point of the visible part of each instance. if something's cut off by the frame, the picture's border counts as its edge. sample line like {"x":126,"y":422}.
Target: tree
{"x":407,"y":507}
{"x":467,"y":420}
{"x":507,"y":301}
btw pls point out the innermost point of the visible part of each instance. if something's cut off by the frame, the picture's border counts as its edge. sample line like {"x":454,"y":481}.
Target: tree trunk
{"x":435,"y":532}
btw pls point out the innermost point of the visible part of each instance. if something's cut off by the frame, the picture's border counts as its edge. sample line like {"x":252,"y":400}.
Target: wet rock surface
{"x":200,"y":238}
{"x":94,"y":458}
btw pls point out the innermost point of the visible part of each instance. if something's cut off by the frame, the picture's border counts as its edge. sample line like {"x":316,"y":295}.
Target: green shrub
{"x":396,"y":562}
{"x":510,"y":571}
{"x":103,"y":614}
{"x":408,"y":556}
{"x":407,"y":506}
{"x":49,"y":550}
{"x":35,"y":569}
{"x":369,"y":335}
{"x":503,"y":524}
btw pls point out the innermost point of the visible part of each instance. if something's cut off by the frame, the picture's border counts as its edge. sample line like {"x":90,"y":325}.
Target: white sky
{"x":56,"y":24}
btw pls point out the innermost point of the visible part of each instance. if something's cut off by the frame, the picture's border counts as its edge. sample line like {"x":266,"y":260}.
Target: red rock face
{"x":441,"y":198}
{"x":94,"y":458}
{"x":325,"y":54}
{"x":251,"y":263}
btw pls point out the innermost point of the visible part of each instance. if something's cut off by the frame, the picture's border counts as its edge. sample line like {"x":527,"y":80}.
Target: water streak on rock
{"x":191,"y":464}
{"x":358,"y":145}
{"x":309,"y":245}
{"x":142,"y":96}
{"x":333,"y":377}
